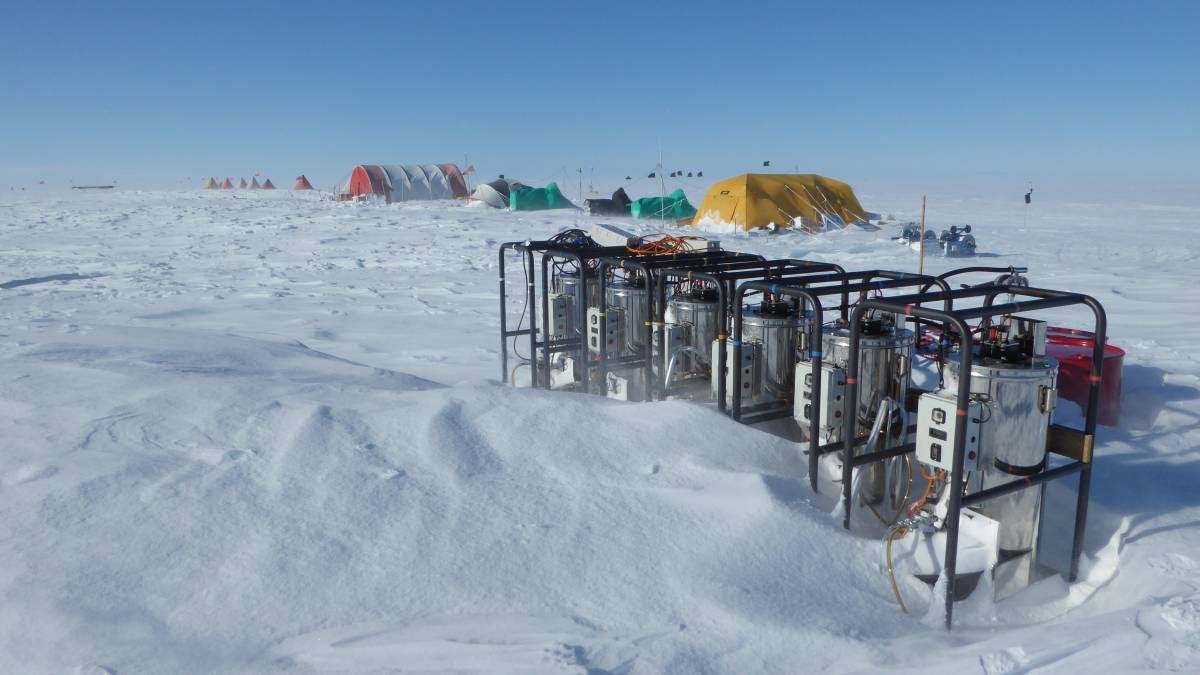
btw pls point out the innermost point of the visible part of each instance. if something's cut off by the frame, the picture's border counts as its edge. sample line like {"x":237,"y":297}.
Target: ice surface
{"x":261,"y":432}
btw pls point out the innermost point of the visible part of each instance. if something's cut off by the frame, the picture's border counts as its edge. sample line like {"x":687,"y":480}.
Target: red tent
{"x":302,"y":183}
{"x":405,"y":182}
{"x":227,"y":184}
{"x":268,"y":185}
{"x":254,"y":184}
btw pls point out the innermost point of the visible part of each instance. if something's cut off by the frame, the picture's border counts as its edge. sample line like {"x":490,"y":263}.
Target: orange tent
{"x":227,"y":184}
{"x":302,"y":183}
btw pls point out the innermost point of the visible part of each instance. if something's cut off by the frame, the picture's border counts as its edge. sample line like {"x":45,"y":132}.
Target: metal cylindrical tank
{"x":884,"y":358}
{"x":568,"y":283}
{"x":885,"y":370}
{"x":629,"y":301}
{"x":777,"y":327}
{"x":698,"y":311}
{"x":1017,"y":404}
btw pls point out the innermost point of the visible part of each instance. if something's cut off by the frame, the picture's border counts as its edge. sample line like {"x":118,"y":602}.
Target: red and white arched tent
{"x":405,"y":182}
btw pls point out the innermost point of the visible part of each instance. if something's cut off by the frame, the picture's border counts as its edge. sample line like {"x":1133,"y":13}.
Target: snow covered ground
{"x":258,"y":432}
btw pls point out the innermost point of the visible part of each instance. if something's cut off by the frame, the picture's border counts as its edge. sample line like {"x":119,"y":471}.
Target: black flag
{"x":1029,"y":196}
{"x":651,"y":175}
{"x":627,"y":178}
{"x":699,"y":174}
{"x":767,"y":163}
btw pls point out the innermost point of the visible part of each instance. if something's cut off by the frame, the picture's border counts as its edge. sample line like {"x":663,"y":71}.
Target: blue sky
{"x":975,"y":97}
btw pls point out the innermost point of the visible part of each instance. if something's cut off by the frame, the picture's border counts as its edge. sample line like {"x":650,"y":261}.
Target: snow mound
{"x":236,"y":503}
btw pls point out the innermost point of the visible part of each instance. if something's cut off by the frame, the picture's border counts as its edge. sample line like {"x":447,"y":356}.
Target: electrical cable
{"x":891,"y":570}
{"x":524,"y":309}
{"x":661,"y":243}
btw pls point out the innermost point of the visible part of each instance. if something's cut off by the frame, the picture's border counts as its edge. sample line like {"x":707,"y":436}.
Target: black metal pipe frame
{"x":648,"y":266}
{"x":724,"y":280}
{"x":580,"y":257}
{"x":975,"y":269}
{"x":910,"y":306}
{"x":527,"y":249}
{"x":811,"y":295}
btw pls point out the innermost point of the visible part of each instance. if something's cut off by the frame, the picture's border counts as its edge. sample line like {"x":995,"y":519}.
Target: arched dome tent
{"x":405,"y":182}
{"x":755,"y":200}
{"x":495,"y":193}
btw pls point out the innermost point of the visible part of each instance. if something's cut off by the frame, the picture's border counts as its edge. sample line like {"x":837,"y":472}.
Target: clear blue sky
{"x":975,"y":96}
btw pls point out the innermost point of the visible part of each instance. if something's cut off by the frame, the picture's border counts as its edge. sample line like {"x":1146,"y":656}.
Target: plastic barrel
{"x":1073,"y":349}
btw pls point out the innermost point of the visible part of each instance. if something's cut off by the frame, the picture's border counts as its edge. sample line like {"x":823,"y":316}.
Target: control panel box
{"x":936,"y":422}
{"x":608,"y":341}
{"x":561,"y":323}
{"x":833,"y":395}
{"x":750,"y":351}
{"x":667,"y":341}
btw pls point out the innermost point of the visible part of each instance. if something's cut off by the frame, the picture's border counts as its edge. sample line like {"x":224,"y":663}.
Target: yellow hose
{"x":891,"y":570}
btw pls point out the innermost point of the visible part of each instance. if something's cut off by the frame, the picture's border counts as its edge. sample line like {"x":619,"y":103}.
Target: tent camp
{"x":226,"y":184}
{"x":399,"y":183}
{"x":302,"y":183}
{"x":268,"y":185}
{"x":254,"y":184}
{"x":618,"y":205}
{"x":674,"y":206}
{"x":755,"y":200}
{"x":211,"y":184}
{"x":496,"y":193}
{"x":538,"y":199}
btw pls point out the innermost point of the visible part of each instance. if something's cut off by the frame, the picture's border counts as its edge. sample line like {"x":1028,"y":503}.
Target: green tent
{"x":538,"y":199}
{"x":674,"y":206}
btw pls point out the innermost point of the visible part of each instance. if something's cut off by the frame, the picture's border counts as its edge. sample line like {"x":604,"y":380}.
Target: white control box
{"x":833,"y":396}
{"x":561,"y":323}
{"x":936,"y":421}
{"x":667,"y":341}
{"x":608,"y":341}
{"x":749,"y":385}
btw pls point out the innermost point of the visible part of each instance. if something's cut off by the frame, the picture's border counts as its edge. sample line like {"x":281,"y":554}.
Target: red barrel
{"x":1073,"y":349}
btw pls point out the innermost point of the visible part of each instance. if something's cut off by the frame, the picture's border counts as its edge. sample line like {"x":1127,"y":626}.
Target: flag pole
{"x":921,"y":264}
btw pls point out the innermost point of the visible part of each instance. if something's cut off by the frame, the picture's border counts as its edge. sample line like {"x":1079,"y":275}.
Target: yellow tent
{"x":754,"y":200}
{"x":211,"y":184}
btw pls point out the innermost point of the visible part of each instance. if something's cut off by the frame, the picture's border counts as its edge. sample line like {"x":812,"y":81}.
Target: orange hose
{"x":661,"y":243}
{"x":929,"y":482}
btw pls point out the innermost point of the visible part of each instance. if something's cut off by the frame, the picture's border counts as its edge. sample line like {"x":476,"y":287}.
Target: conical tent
{"x":495,"y":193}
{"x":268,"y":185}
{"x":538,"y":199}
{"x":211,"y":184}
{"x":405,"y":182}
{"x":618,"y":205}
{"x":808,"y":201}
{"x":302,"y":183}
{"x":254,"y":184}
{"x":674,"y":206}
{"x":242,"y":184}
{"x":227,"y":184}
